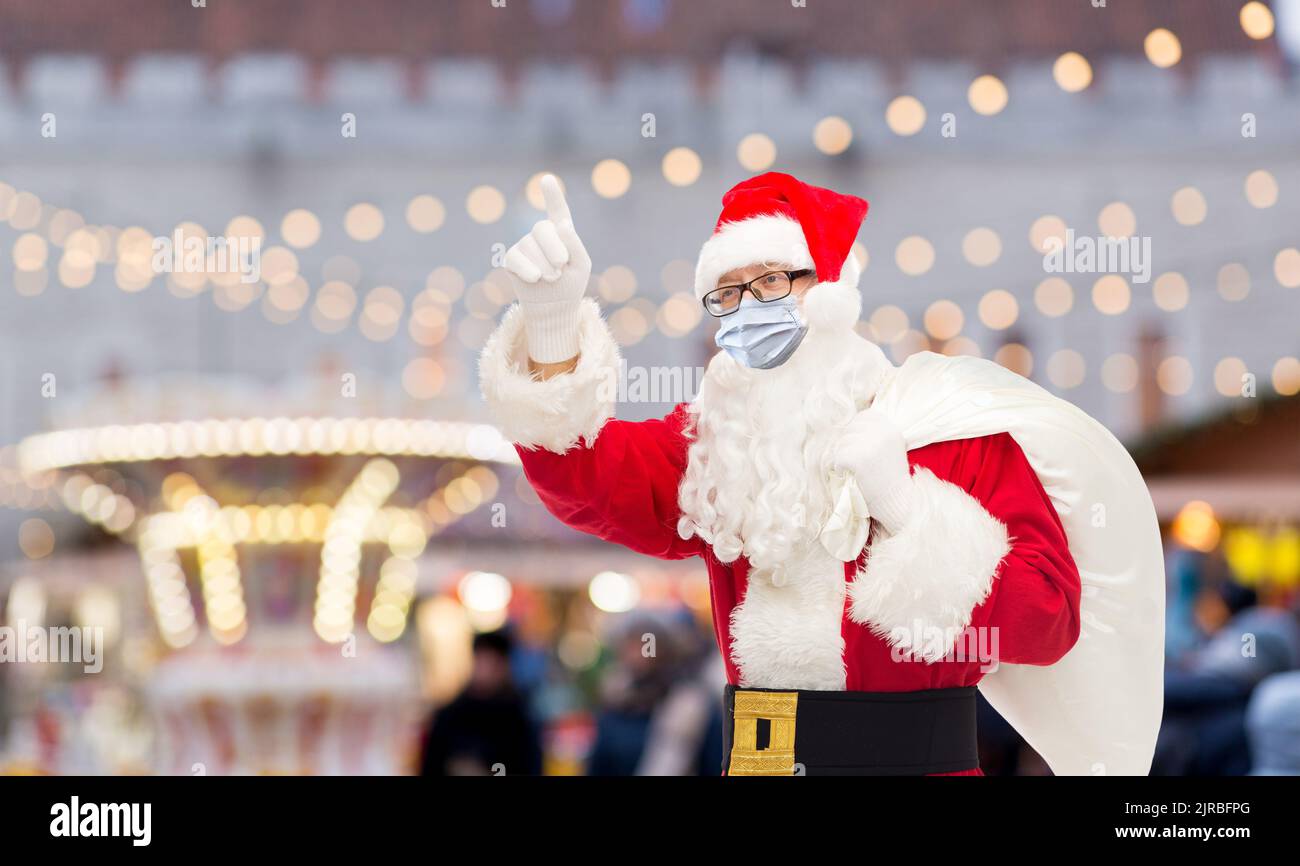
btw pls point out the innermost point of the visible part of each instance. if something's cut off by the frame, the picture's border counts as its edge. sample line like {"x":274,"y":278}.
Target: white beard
{"x":757,"y":483}
{"x":759,"y":466}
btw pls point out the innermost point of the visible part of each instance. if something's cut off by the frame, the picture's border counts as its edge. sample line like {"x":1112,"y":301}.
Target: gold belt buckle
{"x":778,"y":708}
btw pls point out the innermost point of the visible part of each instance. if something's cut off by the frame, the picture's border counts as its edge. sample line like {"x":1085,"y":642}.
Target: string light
{"x":391,"y":604}
{"x":943,"y":320}
{"x":832,"y":135}
{"x":1171,"y":291}
{"x":1054,"y":297}
{"x":363,"y":222}
{"x":1066,"y":369}
{"x":1111,"y":294}
{"x":533,"y":189}
{"x":1045,"y":232}
{"x":617,"y":284}
{"x":1229,"y":374}
{"x":35,"y":538}
{"x":905,"y":115}
{"x":611,"y":178}
{"x":756,"y":152}
{"x":1072,"y":72}
{"x":914,"y":255}
{"x":1016,"y":357}
{"x":1188,"y":206}
{"x":1233,"y":282}
{"x":1162,"y":48}
{"x":169,"y":596}
{"x":629,"y":325}
{"x":981,"y":246}
{"x":1116,"y":220}
{"x":1256,"y":20}
{"x":679,"y":314}
{"x":999,"y":309}
{"x":1286,"y":376}
{"x":1286,"y":267}
{"x":219,"y":573}
{"x":1261,"y":189}
{"x":425,"y":214}
{"x":681,"y":166}
{"x":987,"y":95}
{"x":1119,"y":373}
{"x":300,"y":228}
{"x":485,"y":204}
{"x":1174,"y":375}
{"x":889,"y":322}
{"x":340,"y":568}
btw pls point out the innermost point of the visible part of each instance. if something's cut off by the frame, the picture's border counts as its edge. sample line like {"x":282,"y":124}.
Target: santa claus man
{"x":838,"y":663}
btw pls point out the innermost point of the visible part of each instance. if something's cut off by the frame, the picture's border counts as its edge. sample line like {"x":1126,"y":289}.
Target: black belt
{"x":769,"y":732}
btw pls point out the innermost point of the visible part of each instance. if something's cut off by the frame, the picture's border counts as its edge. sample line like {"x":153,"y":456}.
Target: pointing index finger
{"x":557,"y":209}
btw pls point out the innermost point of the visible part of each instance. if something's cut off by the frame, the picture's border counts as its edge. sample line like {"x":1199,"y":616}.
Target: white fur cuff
{"x":926,"y":579}
{"x":552,"y":414}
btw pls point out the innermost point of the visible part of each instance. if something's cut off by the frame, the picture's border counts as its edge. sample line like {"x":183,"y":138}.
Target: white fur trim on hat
{"x":556,"y":413}
{"x":759,"y":239}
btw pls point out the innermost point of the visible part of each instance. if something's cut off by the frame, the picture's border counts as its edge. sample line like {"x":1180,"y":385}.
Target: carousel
{"x":277,"y":557}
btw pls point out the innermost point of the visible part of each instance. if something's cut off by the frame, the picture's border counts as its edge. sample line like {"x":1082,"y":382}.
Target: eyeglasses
{"x":725,"y":300}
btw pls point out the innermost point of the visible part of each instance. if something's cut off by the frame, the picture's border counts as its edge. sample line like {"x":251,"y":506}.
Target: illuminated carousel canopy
{"x":200,"y":478}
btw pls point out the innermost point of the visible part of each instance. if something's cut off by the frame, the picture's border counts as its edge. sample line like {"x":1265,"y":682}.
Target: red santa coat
{"x":622,"y":487}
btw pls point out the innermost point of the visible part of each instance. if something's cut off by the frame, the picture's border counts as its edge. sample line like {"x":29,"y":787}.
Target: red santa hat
{"x":775,"y":217}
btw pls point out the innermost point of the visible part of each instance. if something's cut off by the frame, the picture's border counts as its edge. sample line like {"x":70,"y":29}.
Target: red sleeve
{"x":622,"y":487}
{"x":1034,"y":602}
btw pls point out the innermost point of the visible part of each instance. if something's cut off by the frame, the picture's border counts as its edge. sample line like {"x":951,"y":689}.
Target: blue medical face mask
{"x":762,"y":336}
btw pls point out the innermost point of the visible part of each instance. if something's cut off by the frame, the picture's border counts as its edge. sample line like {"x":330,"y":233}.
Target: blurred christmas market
{"x":280,"y":503}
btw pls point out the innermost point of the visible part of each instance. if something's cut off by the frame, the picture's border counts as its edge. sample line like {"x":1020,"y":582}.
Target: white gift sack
{"x":1097,"y":710}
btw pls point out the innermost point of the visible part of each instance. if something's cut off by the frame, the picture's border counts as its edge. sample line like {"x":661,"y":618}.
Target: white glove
{"x":873,"y":449}
{"x":550,"y":269}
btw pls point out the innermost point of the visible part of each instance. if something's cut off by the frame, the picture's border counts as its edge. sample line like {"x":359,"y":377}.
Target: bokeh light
{"x":1256,"y":20}
{"x":682,"y":166}
{"x":832,"y":135}
{"x":756,"y":152}
{"x":485,"y":204}
{"x":914,"y":255}
{"x":987,"y":95}
{"x":1072,"y":72}
{"x":905,"y":115}
{"x":1162,"y":48}
{"x":363,"y":222}
{"x":611,"y":178}
{"x":300,"y":228}
{"x":425,"y":214}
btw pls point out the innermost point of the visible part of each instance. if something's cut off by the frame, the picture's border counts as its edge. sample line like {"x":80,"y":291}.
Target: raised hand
{"x":550,"y":270}
{"x":552,"y":251}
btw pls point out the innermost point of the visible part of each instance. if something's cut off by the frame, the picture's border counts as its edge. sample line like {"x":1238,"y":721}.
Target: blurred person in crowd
{"x":486,"y":729}
{"x":660,"y":715}
{"x":1204,"y":730}
{"x":1273,"y":726}
{"x":1185,"y":571}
